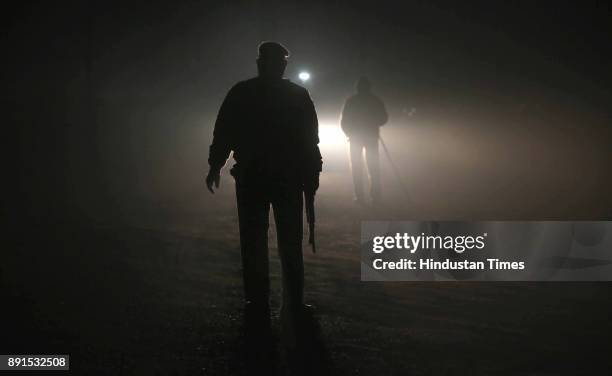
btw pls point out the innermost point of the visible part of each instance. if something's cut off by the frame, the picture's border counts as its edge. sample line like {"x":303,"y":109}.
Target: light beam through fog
{"x":331,"y":136}
{"x":334,"y":146}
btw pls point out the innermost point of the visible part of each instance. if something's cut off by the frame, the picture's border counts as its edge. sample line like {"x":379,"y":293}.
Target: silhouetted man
{"x":362,"y":116}
{"x":271,"y":126}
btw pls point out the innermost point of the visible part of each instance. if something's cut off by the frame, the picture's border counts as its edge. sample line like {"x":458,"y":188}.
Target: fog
{"x":113,"y":109}
{"x":121,"y":258}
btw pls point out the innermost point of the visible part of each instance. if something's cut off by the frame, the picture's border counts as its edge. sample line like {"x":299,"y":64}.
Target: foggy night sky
{"x":200,"y":48}
{"x":117,"y":89}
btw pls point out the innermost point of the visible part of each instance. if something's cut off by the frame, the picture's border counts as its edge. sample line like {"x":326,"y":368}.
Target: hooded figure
{"x":362,"y":116}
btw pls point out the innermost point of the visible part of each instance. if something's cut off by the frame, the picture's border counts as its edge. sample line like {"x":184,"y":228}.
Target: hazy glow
{"x":331,"y":136}
{"x":304,"y":76}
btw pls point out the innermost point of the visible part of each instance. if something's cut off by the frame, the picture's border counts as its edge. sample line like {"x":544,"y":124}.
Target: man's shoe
{"x":257,"y":318}
{"x":296,"y":324}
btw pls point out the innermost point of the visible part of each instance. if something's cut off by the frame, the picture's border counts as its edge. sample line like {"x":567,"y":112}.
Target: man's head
{"x":272,"y":60}
{"x":363,"y":85}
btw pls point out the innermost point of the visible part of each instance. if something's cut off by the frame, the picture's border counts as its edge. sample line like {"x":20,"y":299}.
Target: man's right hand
{"x":213,"y":178}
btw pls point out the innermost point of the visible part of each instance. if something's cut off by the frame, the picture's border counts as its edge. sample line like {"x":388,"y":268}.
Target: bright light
{"x":333,"y":145}
{"x":304,"y":76}
{"x":331,"y":136}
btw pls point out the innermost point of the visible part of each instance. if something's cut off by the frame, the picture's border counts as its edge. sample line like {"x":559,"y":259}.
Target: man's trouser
{"x":254,"y":201}
{"x":370,"y":144}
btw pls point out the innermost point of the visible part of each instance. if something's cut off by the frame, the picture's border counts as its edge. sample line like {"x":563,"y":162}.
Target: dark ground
{"x":157,"y":290}
{"x":164,"y":298}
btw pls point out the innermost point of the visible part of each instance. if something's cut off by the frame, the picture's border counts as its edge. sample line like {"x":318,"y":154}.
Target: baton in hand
{"x":310,"y":217}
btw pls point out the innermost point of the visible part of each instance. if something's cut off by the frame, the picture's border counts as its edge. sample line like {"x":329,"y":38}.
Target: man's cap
{"x":272,"y":50}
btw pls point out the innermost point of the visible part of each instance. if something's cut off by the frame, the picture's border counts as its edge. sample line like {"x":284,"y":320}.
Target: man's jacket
{"x":272,"y":128}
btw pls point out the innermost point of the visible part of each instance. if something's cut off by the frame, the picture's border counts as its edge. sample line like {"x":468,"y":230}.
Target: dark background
{"x":99,"y":95}
{"x":117,"y":255}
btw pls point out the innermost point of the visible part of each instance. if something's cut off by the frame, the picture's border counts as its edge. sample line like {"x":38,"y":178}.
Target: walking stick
{"x":394,"y":167}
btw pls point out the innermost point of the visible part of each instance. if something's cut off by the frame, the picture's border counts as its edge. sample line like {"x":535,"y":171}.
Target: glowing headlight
{"x":304,"y":76}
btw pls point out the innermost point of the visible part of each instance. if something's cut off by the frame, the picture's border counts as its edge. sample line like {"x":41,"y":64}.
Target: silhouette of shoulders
{"x":256,"y":83}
